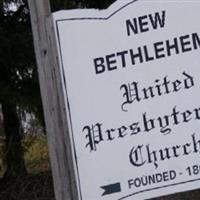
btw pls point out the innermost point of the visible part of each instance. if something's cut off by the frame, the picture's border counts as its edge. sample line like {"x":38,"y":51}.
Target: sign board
{"x":131,"y":79}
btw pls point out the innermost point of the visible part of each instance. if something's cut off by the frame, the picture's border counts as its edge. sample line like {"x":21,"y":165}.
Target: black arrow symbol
{"x":110,"y":189}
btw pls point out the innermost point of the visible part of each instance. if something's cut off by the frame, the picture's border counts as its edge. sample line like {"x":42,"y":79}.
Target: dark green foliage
{"x":19,"y":86}
{"x":18,"y":74}
{"x":15,"y":164}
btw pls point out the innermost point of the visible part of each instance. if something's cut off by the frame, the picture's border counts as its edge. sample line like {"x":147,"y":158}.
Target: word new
{"x":145,"y":23}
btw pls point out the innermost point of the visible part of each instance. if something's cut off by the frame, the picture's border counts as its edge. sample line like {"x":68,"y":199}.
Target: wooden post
{"x":53,"y":101}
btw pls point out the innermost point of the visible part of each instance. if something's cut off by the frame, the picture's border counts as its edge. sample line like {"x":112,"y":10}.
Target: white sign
{"x":131,"y":78}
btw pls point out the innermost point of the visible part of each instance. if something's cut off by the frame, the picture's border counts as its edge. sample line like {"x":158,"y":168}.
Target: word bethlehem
{"x":143,"y":54}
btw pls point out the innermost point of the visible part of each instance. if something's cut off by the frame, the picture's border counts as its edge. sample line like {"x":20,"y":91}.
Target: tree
{"x":18,"y":78}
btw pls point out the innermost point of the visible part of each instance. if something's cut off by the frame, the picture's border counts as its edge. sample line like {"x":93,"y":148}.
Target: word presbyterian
{"x":98,"y":133}
{"x":142,"y":54}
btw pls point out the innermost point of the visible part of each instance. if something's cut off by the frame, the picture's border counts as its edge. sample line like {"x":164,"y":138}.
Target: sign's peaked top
{"x":95,"y":13}
{"x":112,"y":10}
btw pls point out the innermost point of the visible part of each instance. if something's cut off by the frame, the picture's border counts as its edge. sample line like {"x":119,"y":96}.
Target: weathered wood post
{"x":53,"y":101}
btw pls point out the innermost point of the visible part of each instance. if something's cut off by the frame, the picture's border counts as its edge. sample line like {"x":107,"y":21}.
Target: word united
{"x":134,"y":92}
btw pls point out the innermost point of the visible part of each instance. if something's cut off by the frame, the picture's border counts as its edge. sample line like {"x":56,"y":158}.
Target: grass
{"x":36,"y":154}
{"x":30,"y":187}
{"x":37,"y":184}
